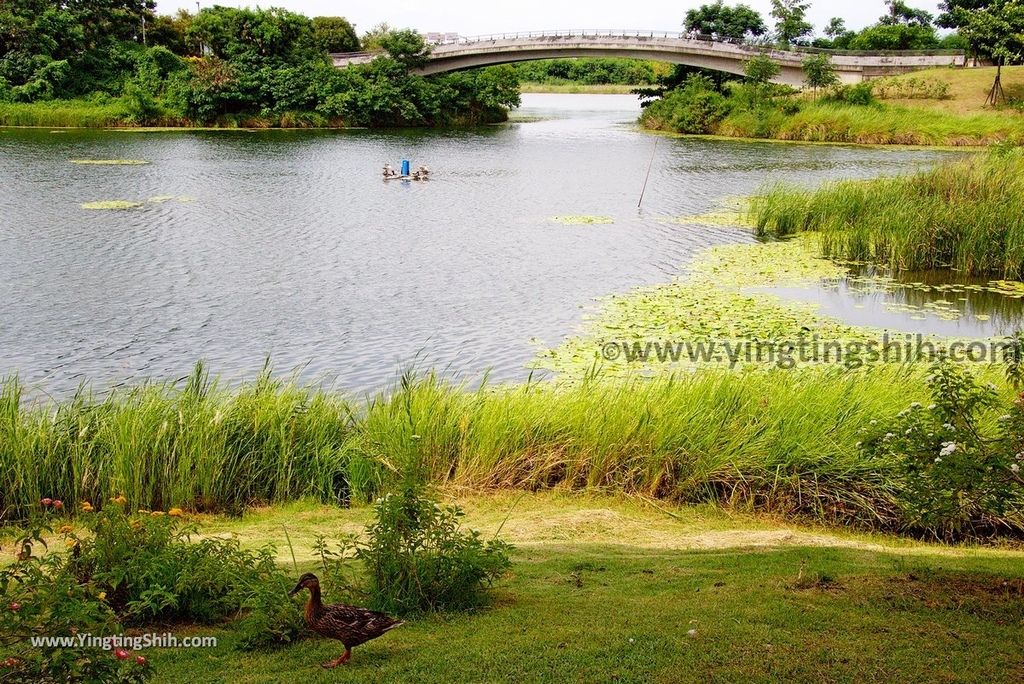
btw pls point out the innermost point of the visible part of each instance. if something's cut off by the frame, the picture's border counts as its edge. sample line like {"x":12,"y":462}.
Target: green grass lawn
{"x":609,"y":589}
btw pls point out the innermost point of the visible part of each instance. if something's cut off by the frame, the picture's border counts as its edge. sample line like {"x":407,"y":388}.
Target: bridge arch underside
{"x":790,"y":74}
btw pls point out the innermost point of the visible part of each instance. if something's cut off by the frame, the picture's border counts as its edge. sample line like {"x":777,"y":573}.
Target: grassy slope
{"x":607,"y":589}
{"x":968,"y":88}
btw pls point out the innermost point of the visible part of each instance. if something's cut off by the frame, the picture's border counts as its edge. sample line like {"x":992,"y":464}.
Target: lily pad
{"x":112,"y":204}
{"x":110,"y":162}
{"x":582,"y":220}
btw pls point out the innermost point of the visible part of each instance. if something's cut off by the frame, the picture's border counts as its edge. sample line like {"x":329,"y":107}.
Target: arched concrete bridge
{"x":677,"y":48}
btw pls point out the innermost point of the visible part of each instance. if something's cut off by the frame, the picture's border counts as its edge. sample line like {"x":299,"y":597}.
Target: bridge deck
{"x":698,"y":51}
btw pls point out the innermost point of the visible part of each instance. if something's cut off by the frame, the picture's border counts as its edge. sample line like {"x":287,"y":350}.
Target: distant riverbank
{"x":579,"y":88}
{"x":938,"y":107}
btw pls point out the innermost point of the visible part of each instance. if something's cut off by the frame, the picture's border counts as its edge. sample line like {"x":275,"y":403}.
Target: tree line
{"x":228,"y":65}
{"x":902,"y":27}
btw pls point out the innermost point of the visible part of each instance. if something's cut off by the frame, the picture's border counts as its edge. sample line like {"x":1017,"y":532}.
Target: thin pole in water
{"x":648,"y":177}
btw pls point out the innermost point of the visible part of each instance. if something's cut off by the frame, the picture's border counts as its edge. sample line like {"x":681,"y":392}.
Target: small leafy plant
{"x":416,"y":557}
{"x":961,"y":478}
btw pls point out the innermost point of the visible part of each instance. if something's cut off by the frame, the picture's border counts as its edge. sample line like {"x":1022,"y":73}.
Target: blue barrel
{"x":405,"y":167}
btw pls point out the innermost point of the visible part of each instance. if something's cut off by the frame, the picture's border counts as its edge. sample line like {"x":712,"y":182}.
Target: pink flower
{"x":140,"y":661}
{"x":47,"y":501}
{"x":15,"y":606}
{"x":121,"y":654}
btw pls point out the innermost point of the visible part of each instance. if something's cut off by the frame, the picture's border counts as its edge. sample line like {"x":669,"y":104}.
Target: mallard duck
{"x":350,"y":625}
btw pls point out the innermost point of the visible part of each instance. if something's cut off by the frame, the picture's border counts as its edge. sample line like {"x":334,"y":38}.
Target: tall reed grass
{"x":64,"y":114}
{"x":966,"y":215}
{"x":784,"y":441}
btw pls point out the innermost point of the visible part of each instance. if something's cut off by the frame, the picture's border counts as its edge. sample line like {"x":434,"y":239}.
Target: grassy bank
{"x":967,"y":215}
{"x":924,"y":108}
{"x":604,"y":589}
{"x":115,"y":112}
{"x":782,"y":441}
{"x":64,"y":113}
{"x":951,"y":91}
{"x":579,"y":88}
{"x":881,"y":124}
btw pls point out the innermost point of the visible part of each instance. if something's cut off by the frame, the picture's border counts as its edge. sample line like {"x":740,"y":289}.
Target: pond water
{"x":288,"y":245}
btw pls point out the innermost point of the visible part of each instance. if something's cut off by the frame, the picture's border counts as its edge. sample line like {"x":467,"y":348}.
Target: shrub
{"x":416,"y":557}
{"x":150,"y":570}
{"x":912,"y":88}
{"x":860,"y":94}
{"x":960,"y":478}
{"x":695,"y":108}
{"x":28,"y":609}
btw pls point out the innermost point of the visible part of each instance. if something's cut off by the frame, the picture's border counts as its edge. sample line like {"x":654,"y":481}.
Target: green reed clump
{"x":784,"y":441}
{"x":967,"y":215}
{"x":195,"y":445}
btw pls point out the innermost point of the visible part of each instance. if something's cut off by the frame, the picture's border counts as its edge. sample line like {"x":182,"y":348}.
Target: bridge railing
{"x":755,"y":44}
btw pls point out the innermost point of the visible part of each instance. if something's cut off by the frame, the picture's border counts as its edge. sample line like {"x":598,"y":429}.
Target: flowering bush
{"x":962,"y":475}
{"x":41,"y":600}
{"x":150,"y":569}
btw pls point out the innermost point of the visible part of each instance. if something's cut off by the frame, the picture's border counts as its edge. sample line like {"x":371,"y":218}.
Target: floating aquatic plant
{"x":716,"y":302}
{"x":110,"y":162}
{"x":723,"y":217}
{"x":574,"y":220}
{"x":112,"y":204}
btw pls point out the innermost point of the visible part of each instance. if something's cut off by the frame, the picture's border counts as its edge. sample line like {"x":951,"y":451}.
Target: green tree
{"x":902,"y":13}
{"x":371,"y":41}
{"x":334,"y":34}
{"x":406,"y":46}
{"x":791,"y":20}
{"x":760,"y":70}
{"x":996,"y":31}
{"x":895,"y":37}
{"x":737,"y":22}
{"x":819,"y":72}
{"x":948,"y":10}
{"x":835,"y":27}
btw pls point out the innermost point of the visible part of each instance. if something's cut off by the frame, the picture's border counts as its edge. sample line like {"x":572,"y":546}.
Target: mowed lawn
{"x":615,"y":590}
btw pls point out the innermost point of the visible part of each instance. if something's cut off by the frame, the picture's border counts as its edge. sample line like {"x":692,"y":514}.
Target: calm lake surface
{"x":289,"y":245}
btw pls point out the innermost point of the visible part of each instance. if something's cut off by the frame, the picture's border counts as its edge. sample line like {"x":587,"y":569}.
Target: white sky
{"x":475,"y":17}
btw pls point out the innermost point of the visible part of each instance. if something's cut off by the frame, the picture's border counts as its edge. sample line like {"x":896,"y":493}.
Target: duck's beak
{"x":296,"y":590}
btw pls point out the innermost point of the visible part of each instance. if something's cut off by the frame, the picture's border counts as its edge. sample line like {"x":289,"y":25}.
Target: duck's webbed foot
{"x":341,"y":660}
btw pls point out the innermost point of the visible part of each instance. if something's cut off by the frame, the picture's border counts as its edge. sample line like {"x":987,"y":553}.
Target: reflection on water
{"x":293,"y":247}
{"x":931,"y":302}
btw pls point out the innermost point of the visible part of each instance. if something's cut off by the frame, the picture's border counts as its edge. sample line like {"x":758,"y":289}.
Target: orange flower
{"x":120,"y":500}
{"x":175,"y":512}
{"x":86,"y":506}
{"x":157,"y":514}
{"x":66,"y":529}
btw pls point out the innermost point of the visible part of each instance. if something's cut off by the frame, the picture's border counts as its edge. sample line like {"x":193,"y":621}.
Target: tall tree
{"x":791,"y":20}
{"x":334,"y":34}
{"x":948,"y":8}
{"x":819,"y":72}
{"x":737,"y":22}
{"x":902,"y":13}
{"x":997,"y":31}
{"x":835,"y":27}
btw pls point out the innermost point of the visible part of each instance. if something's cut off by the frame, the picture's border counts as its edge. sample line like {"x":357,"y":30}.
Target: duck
{"x":350,"y":625}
